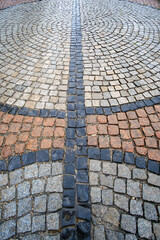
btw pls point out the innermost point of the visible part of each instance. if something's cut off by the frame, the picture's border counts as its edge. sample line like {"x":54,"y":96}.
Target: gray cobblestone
{"x":93,"y":178}
{"x":150,"y":212}
{"x":57,"y":168}
{"x":107,"y":197}
{"x":109,"y":168}
{"x":128,"y":223}
{"x":31,"y":171}
{"x":7,"y":229}
{"x":95,"y":194}
{"x":136,"y":207}
{"x":44,"y":170}
{"x":38,"y":186}
{"x":124,"y":171}
{"x":54,"y":184}
{"x":144,"y":228}
{"x":53,"y":221}
{"x":95,"y":165}
{"x":106,"y":180}
{"x":112,"y":216}
{"x":54,"y":202}
{"x":8,"y":194}
{"x":151,"y":193}
{"x":40,"y":203}
{"x":38,"y":223}
{"x":16,"y":176}
{"x":130,"y":237}
{"x":99,"y":232}
{"x":121,"y":201}
{"x":119,"y":185}
{"x":24,"y":224}
{"x":24,"y":206}
{"x":3,"y":179}
{"x":156,"y":229}
{"x":133,"y":188}
{"x":139,"y":174}
{"x":10,"y":210}
{"x":23,"y":189}
{"x":114,"y":235}
{"x":154,"y":179}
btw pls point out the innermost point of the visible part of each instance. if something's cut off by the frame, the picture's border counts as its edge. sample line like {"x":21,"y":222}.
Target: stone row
{"x":9,"y":3}
{"x":76,"y":181}
{"x":24,"y":111}
{"x":117,"y":156}
{"x":123,"y":108}
{"x":29,"y":158}
{"x":150,"y":3}
{"x":125,"y":201}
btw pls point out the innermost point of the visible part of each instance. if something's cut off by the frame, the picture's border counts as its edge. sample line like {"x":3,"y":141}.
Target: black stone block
{"x":117,"y":156}
{"x":82,"y":176}
{"x":105,"y":154}
{"x":43,"y":156}
{"x":140,"y":162}
{"x":68,"y":198}
{"x":57,"y":154}
{"x":82,"y":163}
{"x":28,"y":158}
{"x":68,"y":182}
{"x":67,"y":217}
{"x":14,"y":163}
{"x":94,"y":153}
{"x":83,"y":230}
{"x":3,"y":166}
{"x":70,"y":156}
{"x":129,"y":158}
{"x":154,"y":167}
{"x":44,"y":113}
{"x":70,"y":168}
{"x":82,"y":193}
{"x":84,"y":213}
{"x":23,"y":111}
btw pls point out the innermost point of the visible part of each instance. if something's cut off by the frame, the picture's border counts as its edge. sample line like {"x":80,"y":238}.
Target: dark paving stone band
{"x":31,"y":112}
{"x":123,"y":108}
{"x":76,"y":180}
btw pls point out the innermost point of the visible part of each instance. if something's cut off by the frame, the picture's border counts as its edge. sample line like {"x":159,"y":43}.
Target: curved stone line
{"x":118,"y":156}
{"x":31,"y":112}
{"x":123,"y":108}
{"x":19,"y":161}
{"x":142,"y":4}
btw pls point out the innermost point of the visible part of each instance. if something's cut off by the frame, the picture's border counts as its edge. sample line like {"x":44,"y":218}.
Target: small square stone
{"x":54,"y":202}
{"x":133,"y":188}
{"x":57,"y":168}
{"x":110,"y":168}
{"x":120,"y":185}
{"x":136,"y":207}
{"x":31,"y":171}
{"x":95,"y":194}
{"x":44,"y":170}
{"x":40,"y":203}
{"x":53,"y":221}
{"x":24,"y":224}
{"x":107,"y":197}
{"x":3,"y":179}
{"x":24,"y":206}
{"x":23,"y":190}
{"x":8,"y":194}
{"x":16,"y":176}
{"x":38,"y":186}
{"x":38,"y":223}
{"x":95,"y":165}
{"x":10,"y":210}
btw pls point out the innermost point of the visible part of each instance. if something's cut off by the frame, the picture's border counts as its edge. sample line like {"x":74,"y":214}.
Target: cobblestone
{"x":79,"y":120}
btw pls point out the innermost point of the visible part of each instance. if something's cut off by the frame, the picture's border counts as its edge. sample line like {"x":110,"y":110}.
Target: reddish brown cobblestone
{"x":9,"y":3}
{"x":152,"y":3}
{"x":135,"y":131}
{"x":19,"y":134}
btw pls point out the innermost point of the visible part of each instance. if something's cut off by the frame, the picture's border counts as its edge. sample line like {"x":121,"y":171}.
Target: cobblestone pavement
{"x":154,"y":3}
{"x":9,"y":3}
{"x":79,"y":121}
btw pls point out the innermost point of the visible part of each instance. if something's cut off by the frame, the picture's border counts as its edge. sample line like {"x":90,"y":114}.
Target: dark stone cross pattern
{"x":76,"y":211}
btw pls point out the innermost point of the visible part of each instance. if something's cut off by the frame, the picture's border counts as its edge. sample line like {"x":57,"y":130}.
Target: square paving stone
{"x":54,"y":202}
{"x":7,"y":229}
{"x":38,"y":223}
{"x":128,"y":223}
{"x":40,"y":203}
{"x":24,"y":224}
{"x":68,"y":198}
{"x":9,"y":210}
{"x":24,"y":206}
{"x":53,"y":221}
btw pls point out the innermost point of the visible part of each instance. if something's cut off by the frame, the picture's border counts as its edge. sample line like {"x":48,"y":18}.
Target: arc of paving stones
{"x":76,"y":212}
{"x":124,"y":187}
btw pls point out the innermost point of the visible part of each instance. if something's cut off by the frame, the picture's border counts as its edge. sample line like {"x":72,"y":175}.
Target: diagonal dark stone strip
{"x":76,"y":212}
